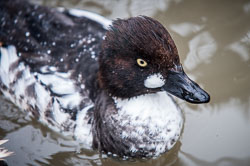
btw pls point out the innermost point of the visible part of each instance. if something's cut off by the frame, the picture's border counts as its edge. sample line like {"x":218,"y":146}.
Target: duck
{"x":108,"y":84}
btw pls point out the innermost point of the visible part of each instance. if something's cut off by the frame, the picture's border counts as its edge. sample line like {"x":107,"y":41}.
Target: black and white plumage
{"x":105,"y":86}
{"x":42,"y":54}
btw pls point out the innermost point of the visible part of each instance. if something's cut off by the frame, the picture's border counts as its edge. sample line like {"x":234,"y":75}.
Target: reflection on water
{"x":242,"y":47}
{"x":185,"y":29}
{"x":227,"y":161}
{"x":246,"y":7}
{"x":224,"y":130}
{"x":213,"y":39}
{"x":201,"y":48}
{"x":113,"y":9}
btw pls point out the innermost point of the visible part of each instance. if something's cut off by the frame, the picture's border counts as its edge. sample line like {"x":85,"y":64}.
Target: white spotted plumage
{"x":39,"y":97}
{"x":45,"y":85}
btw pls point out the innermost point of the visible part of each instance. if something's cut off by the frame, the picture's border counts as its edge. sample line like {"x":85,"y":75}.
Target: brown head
{"x":138,"y":57}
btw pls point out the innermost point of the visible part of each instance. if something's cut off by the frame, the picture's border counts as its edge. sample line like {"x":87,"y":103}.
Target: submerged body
{"x":76,"y":75}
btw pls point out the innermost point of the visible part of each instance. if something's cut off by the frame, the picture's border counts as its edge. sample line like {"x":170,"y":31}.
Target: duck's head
{"x":139,"y":57}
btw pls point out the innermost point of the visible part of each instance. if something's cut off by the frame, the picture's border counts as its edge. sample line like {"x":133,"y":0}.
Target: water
{"x":213,"y":39}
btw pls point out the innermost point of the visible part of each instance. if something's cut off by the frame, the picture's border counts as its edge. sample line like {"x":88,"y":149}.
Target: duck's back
{"x":48,"y":61}
{"x":45,"y":36}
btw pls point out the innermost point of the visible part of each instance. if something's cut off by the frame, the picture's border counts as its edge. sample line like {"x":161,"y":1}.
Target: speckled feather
{"x":138,"y":126}
{"x":50,"y":44}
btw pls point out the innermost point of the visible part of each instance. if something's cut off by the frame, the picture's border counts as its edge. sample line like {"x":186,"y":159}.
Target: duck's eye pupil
{"x":141,"y":62}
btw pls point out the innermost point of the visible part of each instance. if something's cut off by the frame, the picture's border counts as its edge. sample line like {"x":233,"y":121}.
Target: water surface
{"x":213,"y":39}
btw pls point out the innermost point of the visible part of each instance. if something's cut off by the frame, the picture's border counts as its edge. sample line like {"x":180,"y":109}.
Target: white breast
{"x":156,"y":114}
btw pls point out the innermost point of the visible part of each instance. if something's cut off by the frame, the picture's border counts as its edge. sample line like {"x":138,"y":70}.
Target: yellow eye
{"x":142,"y":62}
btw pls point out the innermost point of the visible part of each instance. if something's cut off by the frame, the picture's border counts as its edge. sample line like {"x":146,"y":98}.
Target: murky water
{"x":213,"y":38}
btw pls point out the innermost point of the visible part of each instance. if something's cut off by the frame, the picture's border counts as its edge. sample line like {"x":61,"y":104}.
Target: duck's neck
{"x":146,"y":125}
